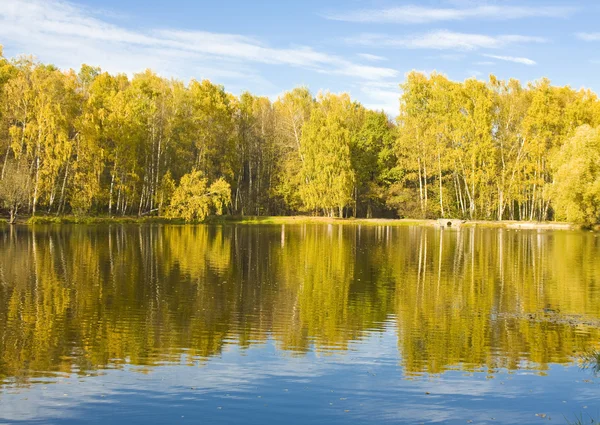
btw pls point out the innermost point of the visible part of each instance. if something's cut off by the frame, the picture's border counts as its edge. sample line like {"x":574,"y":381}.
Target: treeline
{"x":497,"y":150}
{"x":89,"y":142}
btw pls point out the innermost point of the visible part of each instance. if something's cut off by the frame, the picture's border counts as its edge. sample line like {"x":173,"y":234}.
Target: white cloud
{"x":588,"y":36}
{"x":443,"y":39}
{"x":370,"y":57}
{"x":452,"y":56}
{"x":524,"y":61}
{"x":68,"y":36}
{"x":383,"y":96}
{"x":362,"y":71}
{"x":474,"y":73}
{"x":412,"y":14}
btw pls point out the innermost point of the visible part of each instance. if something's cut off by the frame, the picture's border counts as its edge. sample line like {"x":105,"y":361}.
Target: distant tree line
{"x":89,"y":142}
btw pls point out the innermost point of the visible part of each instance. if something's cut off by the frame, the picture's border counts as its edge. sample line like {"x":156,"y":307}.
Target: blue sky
{"x":361,"y":47}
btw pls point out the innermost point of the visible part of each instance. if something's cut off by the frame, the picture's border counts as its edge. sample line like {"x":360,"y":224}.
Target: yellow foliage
{"x":194,"y":200}
{"x":576,"y":189}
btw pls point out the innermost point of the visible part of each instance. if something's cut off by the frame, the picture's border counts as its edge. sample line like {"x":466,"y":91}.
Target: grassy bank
{"x":70,"y":219}
{"x":279,"y":220}
{"x":517,"y":225}
{"x":299,"y":219}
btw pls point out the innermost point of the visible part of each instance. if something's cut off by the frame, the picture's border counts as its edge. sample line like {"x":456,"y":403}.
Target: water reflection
{"x":77,"y":299}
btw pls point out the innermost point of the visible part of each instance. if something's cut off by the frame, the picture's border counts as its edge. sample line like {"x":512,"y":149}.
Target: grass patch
{"x":280,"y":220}
{"x":581,"y":420}
{"x":300,"y":219}
{"x":591,"y":361}
{"x":517,"y":225}
{"x":100,"y":220}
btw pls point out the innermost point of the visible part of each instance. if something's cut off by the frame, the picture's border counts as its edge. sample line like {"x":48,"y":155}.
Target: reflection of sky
{"x":263,"y":385}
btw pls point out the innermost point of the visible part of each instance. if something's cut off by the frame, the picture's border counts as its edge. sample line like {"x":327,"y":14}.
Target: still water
{"x":303,"y":324}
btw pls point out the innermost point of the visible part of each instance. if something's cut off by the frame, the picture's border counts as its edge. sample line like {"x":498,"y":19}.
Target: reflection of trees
{"x":90,"y":297}
{"x":325,"y":299}
{"x":466,"y":298}
{"x":80,"y":298}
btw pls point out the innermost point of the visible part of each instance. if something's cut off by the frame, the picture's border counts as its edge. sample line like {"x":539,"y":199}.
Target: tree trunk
{"x":441,"y":193}
{"x":420,"y":186}
{"x":5,"y":162}
{"x":61,"y":202}
{"x":13,"y":215}
{"x":37,"y":181}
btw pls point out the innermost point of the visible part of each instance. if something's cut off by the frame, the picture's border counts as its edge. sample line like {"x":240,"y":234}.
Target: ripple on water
{"x":327,"y":324}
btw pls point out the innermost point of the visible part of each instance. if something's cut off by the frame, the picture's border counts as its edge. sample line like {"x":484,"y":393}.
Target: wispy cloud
{"x":370,"y":57}
{"x":588,"y":36}
{"x":443,"y":39}
{"x":474,"y":73}
{"x":412,"y":14}
{"x":524,"y":61}
{"x":452,"y":56}
{"x":68,"y":35}
{"x":383,"y":96}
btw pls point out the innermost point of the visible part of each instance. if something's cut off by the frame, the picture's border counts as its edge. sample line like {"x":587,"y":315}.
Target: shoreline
{"x":397,"y":222}
{"x":280,"y":220}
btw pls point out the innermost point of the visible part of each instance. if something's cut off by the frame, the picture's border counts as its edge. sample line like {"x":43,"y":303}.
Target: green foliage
{"x":165,"y":193}
{"x":372,"y":158}
{"x":220,"y":196}
{"x":194,"y":200}
{"x":483,"y":151}
{"x":102,"y":144}
{"x":576,"y":190}
{"x":292,"y":111}
{"x":327,"y":174}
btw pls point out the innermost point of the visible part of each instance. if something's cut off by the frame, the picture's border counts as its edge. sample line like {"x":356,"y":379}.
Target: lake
{"x":296,"y":324}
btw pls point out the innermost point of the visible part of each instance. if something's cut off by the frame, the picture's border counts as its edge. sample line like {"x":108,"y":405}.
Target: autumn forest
{"x":90,"y":143}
